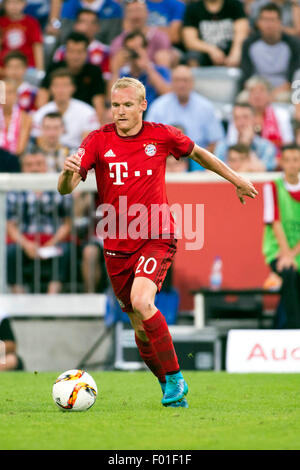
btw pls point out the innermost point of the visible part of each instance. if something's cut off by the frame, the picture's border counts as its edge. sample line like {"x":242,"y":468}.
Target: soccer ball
{"x":74,"y":390}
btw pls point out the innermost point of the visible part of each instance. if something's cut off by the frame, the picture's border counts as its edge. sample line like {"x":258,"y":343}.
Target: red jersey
{"x":130,"y":175}
{"x":19,"y":35}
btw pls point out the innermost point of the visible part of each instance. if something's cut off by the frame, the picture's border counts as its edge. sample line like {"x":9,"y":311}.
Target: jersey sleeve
{"x":177,"y":11}
{"x":88,"y":152}
{"x":237,"y":10}
{"x":191,"y":18}
{"x":179,"y":144}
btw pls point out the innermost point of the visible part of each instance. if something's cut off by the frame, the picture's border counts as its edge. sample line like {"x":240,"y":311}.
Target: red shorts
{"x":152,"y":260}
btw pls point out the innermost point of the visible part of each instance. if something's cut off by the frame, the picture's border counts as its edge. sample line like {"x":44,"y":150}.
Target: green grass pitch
{"x":227,"y":411}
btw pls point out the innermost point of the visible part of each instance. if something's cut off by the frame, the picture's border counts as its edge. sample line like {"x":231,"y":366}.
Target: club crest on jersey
{"x":150,"y":149}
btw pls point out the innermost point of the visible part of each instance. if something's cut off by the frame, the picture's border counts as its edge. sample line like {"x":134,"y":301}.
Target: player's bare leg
{"x":155,"y":326}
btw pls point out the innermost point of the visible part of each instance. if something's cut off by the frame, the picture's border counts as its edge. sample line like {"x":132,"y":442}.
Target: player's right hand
{"x":72,"y":163}
{"x":245,"y":188}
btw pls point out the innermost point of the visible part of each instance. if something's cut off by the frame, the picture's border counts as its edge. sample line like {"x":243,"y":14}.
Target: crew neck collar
{"x":129,"y":136}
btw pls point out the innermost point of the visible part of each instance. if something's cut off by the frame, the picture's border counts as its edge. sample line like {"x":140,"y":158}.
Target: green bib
{"x":289,"y":210}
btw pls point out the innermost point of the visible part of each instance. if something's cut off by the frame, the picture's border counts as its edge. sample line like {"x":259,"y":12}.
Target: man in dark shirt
{"x":38,"y":229}
{"x":214,"y":31}
{"x":89,"y":82}
{"x":270,"y":53}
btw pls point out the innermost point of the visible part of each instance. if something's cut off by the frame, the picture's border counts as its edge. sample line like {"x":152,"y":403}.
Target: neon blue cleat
{"x":175,"y":390}
{"x":179,"y":404}
{"x":162,"y":386}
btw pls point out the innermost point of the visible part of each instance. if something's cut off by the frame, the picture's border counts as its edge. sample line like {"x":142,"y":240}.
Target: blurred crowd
{"x":59,"y":58}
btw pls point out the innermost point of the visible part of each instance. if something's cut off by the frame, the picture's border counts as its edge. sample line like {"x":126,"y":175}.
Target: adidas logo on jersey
{"x":110,"y":153}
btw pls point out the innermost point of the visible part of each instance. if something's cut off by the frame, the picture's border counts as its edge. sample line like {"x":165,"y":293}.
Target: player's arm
{"x":209,"y":161}
{"x":70,"y":176}
{"x":286,"y":254}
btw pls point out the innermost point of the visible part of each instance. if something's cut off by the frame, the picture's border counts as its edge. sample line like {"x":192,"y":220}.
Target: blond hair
{"x":128,"y":82}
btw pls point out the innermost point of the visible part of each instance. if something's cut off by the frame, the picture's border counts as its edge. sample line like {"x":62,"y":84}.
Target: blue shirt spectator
{"x":40,"y":9}
{"x":186,"y":109}
{"x":263,"y":149}
{"x":167,"y":15}
{"x":151,"y":91}
{"x":162,"y":13}
{"x":137,"y":64}
{"x":107,"y":9}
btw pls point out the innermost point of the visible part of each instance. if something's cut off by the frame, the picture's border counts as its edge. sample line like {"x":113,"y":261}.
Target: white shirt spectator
{"x":79,"y":119}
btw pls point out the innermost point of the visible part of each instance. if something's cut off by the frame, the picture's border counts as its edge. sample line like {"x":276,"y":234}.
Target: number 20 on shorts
{"x":147,"y":265}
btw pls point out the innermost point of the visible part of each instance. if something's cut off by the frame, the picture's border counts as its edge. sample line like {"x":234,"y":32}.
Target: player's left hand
{"x":245,"y":188}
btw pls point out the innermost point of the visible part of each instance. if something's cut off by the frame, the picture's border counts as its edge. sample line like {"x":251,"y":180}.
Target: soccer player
{"x":129,"y":158}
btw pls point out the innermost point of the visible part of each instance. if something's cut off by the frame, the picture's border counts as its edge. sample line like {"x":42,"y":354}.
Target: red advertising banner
{"x":230,"y":229}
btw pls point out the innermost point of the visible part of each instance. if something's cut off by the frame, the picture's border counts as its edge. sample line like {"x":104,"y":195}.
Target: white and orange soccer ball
{"x":74,"y":390}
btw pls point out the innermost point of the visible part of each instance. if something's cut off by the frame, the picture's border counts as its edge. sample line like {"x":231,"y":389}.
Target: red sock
{"x":158,"y":333}
{"x":150,"y":358}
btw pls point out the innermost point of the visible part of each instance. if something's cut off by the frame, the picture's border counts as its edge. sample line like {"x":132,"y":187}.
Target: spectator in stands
{"x":9,"y":163}
{"x":79,"y":117}
{"x":290,"y":14}
{"x":214,"y":31}
{"x":15,"y":66}
{"x":241,"y":159}
{"x":135,"y":18}
{"x":9,"y":359}
{"x":37,"y":220}
{"x":168,"y":16}
{"x":44,"y":11}
{"x":242,"y":131}
{"x":109,"y":12}
{"x":93,"y":269}
{"x":93,"y":266}
{"x":281,"y":245}
{"x":48,"y":142}
{"x":271,"y":54}
{"x":15,"y":124}
{"x":136,"y":63}
{"x":89,"y":82}
{"x":87,"y":23}
{"x":191,"y":111}
{"x":271,"y":122}
{"x":21,"y":32}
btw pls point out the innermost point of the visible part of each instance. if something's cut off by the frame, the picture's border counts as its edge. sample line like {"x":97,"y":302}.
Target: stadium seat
{"x":219,"y":84}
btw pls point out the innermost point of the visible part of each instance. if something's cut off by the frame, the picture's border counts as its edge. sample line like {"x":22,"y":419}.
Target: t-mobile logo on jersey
{"x":118,"y":173}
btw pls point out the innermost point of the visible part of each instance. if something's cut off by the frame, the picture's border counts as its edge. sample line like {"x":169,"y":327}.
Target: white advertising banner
{"x":263,"y":351}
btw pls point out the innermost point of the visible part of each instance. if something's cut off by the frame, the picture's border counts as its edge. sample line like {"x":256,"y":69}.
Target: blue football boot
{"x":175,"y":389}
{"x":177,"y":404}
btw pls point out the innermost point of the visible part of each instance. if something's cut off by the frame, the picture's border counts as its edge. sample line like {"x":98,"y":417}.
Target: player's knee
{"x":142,"y":304}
